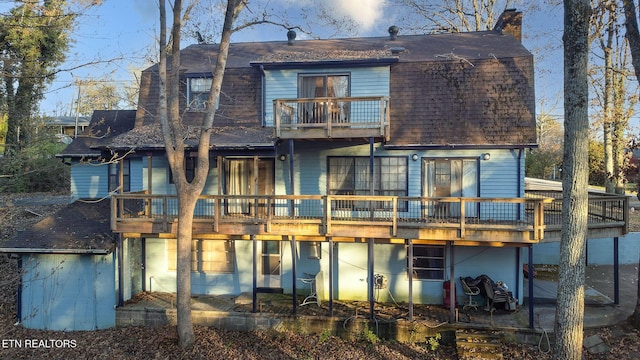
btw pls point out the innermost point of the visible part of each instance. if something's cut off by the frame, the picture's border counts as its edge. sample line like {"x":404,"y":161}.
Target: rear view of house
{"x":360,"y":164}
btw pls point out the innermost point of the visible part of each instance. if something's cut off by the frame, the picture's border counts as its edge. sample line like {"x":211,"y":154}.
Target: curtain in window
{"x":308,"y":91}
{"x":339,"y":87}
{"x":238,"y":184}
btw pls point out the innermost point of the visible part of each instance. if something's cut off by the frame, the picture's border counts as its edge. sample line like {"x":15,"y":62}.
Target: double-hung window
{"x":198,"y":93}
{"x":351,"y":176}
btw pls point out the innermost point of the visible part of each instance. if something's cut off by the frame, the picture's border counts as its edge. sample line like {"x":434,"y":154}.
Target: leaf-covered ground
{"x":161,"y":342}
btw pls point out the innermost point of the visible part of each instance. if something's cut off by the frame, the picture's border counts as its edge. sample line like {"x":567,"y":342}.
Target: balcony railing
{"x":327,"y":117}
{"x":472,"y":219}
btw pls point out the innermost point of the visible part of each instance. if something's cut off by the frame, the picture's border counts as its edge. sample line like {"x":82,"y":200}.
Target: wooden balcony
{"x":466,"y":221}
{"x":332,"y":118}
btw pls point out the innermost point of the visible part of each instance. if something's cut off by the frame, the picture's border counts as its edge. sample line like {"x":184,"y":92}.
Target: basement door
{"x":450,"y":178}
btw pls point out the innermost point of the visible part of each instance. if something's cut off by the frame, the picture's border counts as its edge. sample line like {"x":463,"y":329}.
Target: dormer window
{"x":198,"y":93}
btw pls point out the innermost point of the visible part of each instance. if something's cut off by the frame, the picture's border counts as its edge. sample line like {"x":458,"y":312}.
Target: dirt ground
{"x":161,"y":342}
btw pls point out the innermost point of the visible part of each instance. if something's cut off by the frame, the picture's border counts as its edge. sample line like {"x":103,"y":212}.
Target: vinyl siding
{"x":283,"y":84}
{"x":89,"y":181}
{"x":68,"y":292}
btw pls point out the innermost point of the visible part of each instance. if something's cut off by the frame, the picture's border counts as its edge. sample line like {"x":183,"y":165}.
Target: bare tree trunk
{"x":607,"y":104}
{"x":186,"y":206}
{"x":633,"y":37}
{"x":169,"y":114}
{"x":570,"y":305}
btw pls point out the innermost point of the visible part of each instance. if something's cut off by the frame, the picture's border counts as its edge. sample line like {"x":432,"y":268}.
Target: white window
{"x":198,"y":93}
{"x":208,"y":256}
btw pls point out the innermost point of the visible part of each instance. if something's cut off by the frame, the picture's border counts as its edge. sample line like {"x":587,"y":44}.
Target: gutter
{"x":458,"y":146}
{"x":325,"y":63}
{"x":55,"y":251}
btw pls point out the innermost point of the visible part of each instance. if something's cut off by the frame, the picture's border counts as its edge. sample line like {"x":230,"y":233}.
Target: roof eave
{"x":458,"y":146}
{"x":55,"y":251}
{"x":325,"y":63}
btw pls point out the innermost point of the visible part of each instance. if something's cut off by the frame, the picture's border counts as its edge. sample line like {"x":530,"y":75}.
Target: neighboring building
{"x":67,"y":127}
{"x":379,"y":163}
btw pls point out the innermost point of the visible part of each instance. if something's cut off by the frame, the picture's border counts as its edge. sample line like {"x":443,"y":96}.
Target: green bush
{"x":35,"y":169}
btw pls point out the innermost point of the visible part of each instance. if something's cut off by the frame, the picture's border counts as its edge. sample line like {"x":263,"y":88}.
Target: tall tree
{"x":612,"y":94}
{"x":33,"y":39}
{"x":456,"y":15}
{"x":97,"y":95}
{"x":174,"y":134}
{"x":570,"y":309}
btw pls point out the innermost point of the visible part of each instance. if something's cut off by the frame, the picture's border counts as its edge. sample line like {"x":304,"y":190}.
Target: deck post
{"x":294,"y":289}
{"x":452,"y":284}
{"x":330,"y":275}
{"x":370,"y":276}
{"x":119,"y":269}
{"x":410,"y":270}
{"x":531,"y":276}
{"x":616,"y":272}
{"x":255,"y":274}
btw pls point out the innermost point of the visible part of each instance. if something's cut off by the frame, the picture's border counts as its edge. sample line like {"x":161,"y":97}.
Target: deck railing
{"x":327,"y":117}
{"x":603,"y":210}
{"x":327,"y":211}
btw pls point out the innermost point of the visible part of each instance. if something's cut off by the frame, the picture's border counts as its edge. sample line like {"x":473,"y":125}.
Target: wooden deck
{"x":392,"y":219}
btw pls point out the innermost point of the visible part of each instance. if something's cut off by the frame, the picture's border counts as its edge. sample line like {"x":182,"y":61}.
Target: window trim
{"x":325,"y":75}
{"x":113,"y":178}
{"x":189,"y":97}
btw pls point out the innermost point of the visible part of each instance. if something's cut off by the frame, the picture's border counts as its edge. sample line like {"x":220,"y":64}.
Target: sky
{"x":112,"y":40}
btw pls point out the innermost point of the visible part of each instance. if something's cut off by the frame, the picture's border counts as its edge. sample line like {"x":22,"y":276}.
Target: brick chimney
{"x":510,"y":23}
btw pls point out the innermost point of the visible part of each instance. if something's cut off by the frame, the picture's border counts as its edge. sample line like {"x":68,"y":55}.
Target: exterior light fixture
{"x":486,"y":156}
{"x":414,"y":157}
{"x":282,"y":157}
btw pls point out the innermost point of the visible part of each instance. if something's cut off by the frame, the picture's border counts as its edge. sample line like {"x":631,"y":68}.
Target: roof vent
{"x":397,"y":50}
{"x":393,"y":32}
{"x":291,"y":36}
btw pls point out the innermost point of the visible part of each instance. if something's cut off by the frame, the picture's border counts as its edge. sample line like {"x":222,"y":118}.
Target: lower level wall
{"x":350,"y":271}
{"x":599,"y":251}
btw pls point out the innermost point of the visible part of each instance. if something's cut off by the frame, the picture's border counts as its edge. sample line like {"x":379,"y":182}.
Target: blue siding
{"x":160,"y":182}
{"x":498,"y":176}
{"x":283,"y":84}
{"x":599,"y":251}
{"x":68,"y":292}
{"x":89,"y":180}
{"x":135,"y":174}
{"x":350,"y":266}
